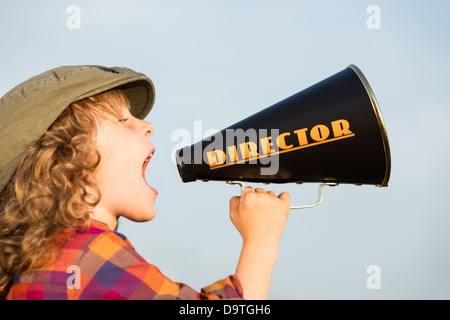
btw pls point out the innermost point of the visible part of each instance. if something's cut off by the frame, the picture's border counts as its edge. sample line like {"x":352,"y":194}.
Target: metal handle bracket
{"x":319,"y":201}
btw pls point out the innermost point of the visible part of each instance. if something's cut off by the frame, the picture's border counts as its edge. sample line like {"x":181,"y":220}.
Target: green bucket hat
{"x":29,"y":109}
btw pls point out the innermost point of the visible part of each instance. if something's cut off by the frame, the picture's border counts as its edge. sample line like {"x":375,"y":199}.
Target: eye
{"x":123,"y":120}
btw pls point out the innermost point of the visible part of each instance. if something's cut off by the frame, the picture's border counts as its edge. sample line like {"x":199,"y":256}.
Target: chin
{"x":150,"y":215}
{"x":144,"y":215}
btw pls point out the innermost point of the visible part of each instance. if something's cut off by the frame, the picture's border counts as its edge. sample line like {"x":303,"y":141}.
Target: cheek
{"x":109,"y":170}
{"x":120,"y":171}
{"x":117,"y":172}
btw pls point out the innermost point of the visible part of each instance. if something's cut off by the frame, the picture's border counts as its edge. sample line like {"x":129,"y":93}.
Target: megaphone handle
{"x":239,"y":183}
{"x":319,"y":201}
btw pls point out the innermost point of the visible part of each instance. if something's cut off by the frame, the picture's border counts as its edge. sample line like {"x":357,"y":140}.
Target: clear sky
{"x":214,"y":63}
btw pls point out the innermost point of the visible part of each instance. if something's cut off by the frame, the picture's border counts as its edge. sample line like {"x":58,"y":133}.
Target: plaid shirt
{"x":102,"y":264}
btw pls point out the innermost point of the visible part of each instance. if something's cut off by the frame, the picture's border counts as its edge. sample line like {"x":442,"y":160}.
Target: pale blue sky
{"x":220,"y":61}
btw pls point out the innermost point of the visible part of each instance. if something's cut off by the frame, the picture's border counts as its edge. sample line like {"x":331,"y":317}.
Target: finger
{"x":261,"y":190}
{"x":272,"y":193}
{"x":248,"y":189}
{"x":285,"y":197}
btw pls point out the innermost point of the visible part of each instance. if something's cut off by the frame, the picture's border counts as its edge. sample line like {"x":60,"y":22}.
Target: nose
{"x":147,"y":129}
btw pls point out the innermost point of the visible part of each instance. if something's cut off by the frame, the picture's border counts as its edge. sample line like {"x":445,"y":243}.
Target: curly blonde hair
{"x":49,"y":192}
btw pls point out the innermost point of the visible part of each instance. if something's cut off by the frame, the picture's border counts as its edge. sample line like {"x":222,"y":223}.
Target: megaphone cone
{"x":331,"y":132}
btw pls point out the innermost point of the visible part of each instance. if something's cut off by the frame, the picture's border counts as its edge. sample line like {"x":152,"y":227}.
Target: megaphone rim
{"x":380,"y":120}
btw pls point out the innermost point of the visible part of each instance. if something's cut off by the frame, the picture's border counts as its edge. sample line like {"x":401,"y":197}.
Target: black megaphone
{"x":330,"y":133}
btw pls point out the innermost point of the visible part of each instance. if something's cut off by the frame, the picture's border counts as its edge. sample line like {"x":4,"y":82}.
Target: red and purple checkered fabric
{"x":108,"y":267}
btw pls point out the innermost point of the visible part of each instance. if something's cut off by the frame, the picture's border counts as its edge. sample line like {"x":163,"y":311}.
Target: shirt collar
{"x":99,"y":225}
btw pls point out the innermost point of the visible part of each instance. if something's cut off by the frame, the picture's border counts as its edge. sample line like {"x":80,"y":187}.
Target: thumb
{"x":234,"y":203}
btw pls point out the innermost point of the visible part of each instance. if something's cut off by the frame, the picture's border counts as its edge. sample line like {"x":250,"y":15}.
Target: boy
{"x":74,"y":150}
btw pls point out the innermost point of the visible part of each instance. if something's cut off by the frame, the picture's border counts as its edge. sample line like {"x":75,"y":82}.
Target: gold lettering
{"x":248,"y":150}
{"x":232,"y":153}
{"x":216,"y":157}
{"x":301,"y":134}
{"x":320,"y":132}
{"x":281,"y":142}
{"x":266,"y":143}
{"x":340,"y":128}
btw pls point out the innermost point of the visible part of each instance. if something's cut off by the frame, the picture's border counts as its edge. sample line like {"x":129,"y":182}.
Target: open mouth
{"x":144,"y":168}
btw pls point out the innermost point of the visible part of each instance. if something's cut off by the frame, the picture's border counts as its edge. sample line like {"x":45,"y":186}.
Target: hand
{"x":260,"y":215}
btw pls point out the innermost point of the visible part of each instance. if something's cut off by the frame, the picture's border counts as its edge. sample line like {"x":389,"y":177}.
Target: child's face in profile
{"x":125,"y":149}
